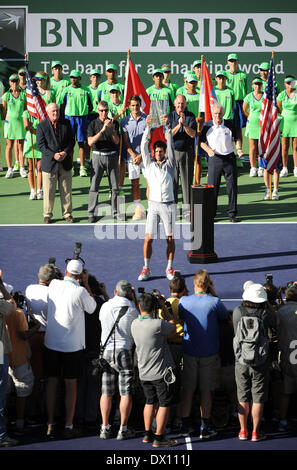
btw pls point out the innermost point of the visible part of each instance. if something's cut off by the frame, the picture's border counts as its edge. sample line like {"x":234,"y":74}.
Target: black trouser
{"x":226,"y":165}
{"x":184,"y":168}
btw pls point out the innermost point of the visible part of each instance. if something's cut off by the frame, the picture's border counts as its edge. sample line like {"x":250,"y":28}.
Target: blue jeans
{"x":3,"y":387}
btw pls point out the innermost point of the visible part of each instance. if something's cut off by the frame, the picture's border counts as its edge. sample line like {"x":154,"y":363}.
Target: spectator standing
{"x":155,"y":363}
{"x":200,"y":313}
{"x":252,"y":368}
{"x":7,"y":307}
{"x":119,"y":355}
{"x":65,"y":340}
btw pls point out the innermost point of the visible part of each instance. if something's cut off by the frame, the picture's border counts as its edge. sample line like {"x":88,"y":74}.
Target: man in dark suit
{"x":55,"y":140}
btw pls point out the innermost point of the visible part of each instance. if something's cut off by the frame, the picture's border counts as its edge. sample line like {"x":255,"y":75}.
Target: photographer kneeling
{"x":155,"y":365}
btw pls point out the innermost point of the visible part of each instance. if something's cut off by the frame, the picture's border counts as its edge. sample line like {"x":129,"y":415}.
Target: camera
{"x":58,"y":272}
{"x":269,"y":279}
{"x":99,"y":365}
{"x":19,"y":298}
{"x":158,"y":298}
{"x":76,"y":254}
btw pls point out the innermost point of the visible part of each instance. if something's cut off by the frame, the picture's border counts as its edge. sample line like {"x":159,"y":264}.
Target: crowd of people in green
{"x":78,"y":103}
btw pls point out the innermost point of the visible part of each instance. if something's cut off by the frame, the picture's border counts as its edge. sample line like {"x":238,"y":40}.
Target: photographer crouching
{"x":155,"y":364}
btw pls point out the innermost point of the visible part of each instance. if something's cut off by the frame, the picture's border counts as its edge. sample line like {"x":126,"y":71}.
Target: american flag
{"x":269,"y":140}
{"x":35,"y":104}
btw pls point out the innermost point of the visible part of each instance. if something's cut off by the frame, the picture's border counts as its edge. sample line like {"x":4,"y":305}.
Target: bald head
{"x":180,"y":104}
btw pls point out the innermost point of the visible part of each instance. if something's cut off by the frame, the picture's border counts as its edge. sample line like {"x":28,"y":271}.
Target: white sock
{"x":69,"y":426}
{"x":169,"y":265}
{"x":147,"y":263}
{"x":123,"y":428}
{"x":105,"y":427}
{"x":137,"y":202}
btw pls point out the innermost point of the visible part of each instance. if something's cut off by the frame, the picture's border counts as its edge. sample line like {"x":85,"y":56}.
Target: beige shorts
{"x":22,"y":378}
{"x":201,"y":371}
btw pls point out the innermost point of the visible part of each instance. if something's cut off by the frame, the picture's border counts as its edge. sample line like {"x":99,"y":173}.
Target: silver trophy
{"x":157,"y":109}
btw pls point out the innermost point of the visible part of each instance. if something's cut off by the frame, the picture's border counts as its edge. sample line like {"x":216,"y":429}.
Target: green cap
{"x":14,"y":76}
{"x":111,"y":67}
{"x":257,"y":80}
{"x":190,"y":77}
{"x":55,"y":63}
{"x":166,"y":68}
{"x":289,"y":79}
{"x":221,"y":72}
{"x":155,"y":71}
{"x":22,"y":71}
{"x":75,"y":74}
{"x":264,"y":66}
{"x":95,"y":72}
{"x":116,"y":87}
{"x":196,"y":62}
{"x":232,"y":57}
{"x":40,"y":75}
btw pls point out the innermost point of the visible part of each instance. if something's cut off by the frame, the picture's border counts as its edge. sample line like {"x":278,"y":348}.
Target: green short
{"x":252,"y":383}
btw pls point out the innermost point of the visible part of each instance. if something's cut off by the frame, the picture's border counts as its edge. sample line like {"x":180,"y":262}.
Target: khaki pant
{"x":49,"y":183}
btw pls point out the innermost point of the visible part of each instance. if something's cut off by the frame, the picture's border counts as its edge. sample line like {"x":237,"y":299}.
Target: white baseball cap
{"x":75,"y":267}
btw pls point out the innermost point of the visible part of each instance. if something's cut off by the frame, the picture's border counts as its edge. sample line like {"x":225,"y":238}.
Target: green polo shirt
{"x":238,"y":83}
{"x":226,"y":98}
{"x":59,"y":87}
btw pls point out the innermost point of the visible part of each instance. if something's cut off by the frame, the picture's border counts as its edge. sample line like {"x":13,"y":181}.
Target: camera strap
{"x":122,"y":312}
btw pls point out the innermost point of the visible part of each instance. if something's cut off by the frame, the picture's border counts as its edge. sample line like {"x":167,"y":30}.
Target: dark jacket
{"x":49,"y":144}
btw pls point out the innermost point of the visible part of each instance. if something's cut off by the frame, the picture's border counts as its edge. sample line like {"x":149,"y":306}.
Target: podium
{"x":202,"y":225}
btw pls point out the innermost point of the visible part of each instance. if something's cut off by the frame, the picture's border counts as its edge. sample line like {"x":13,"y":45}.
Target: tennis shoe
{"x":144,"y":275}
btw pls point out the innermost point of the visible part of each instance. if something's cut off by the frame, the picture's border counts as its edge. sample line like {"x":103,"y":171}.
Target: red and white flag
{"x":134,"y":86}
{"x":269,"y":140}
{"x":35,"y":104}
{"x":207,"y":94}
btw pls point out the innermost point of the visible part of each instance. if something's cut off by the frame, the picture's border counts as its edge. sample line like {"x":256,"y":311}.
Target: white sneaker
{"x":9,"y":173}
{"x":295,"y":171}
{"x":170,"y":274}
{"x":284,"y":172}
{"x":16,"y":166}
{"x":39,"y":194}
{"x":275,"y":195}
{"x":23,"y":173}
{"x":32,"y":195}
{"x":253,"y":172}
{"x":144,"y":275}
{"x":267,"y":195}
{"x":260,"y":171}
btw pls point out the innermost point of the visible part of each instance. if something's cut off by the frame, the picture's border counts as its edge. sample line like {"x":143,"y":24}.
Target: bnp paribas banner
{"x":87,"y":40}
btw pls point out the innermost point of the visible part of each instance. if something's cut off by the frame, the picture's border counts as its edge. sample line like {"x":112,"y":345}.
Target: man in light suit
{"x":55,"y":140}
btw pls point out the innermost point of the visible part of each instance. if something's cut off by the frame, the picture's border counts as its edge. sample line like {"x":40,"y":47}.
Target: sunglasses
{"x":103,"y":110}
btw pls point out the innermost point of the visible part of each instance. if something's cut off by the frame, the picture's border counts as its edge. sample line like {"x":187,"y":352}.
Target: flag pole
{"x":269,"y":175}
{"x":32,"y":146}
{"x":198,"y":164}
{"x":124,"y":99}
